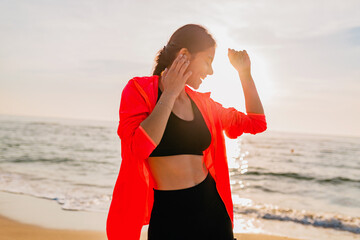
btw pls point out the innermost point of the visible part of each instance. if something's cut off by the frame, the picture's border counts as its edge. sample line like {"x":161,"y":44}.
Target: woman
{"x":174,"y":173}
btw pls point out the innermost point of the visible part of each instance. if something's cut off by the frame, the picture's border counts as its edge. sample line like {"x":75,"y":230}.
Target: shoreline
{"x":27,"y":218}
{"x":47,"y":213}
{"x":14,"y":230}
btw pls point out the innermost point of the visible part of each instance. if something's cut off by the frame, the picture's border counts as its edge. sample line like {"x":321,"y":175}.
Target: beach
{"x":28,"y":218}
{"x":10,"y":229}
{"x":57,"y":177}
{"x":67,"y":66}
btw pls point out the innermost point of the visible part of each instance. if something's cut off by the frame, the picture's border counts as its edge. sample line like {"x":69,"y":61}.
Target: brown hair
{"x":195,"y":38}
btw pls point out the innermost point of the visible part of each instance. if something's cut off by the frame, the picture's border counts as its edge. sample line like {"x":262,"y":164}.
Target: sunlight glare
{"x":224,"y":84}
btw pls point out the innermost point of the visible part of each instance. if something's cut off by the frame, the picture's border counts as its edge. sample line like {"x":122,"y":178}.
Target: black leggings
{"x":191,"y":213}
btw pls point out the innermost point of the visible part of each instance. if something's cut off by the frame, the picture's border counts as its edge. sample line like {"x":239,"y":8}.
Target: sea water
{"x":303,"y":179}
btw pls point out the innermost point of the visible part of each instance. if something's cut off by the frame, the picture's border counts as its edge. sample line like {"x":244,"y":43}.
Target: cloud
{"x":293,"y":20}
{"x":352,"y":35}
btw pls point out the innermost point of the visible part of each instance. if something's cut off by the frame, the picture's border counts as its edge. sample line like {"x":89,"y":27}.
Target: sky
{"x":71,"y":59}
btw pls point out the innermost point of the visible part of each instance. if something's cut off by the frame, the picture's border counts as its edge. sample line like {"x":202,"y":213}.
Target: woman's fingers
{"x":184,"y":67}
{"x":177,"y":59}
{"x":237,"y":52}
{"x":178,"y":67}
{"x":176,"y":62}
{"x":180,"y":63}
{"x":165,"y":71}
{"x":239,"y":59}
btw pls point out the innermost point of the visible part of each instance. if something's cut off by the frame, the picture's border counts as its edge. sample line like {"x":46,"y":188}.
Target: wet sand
{"x":29,"y":218}
{"x":13,"y":230}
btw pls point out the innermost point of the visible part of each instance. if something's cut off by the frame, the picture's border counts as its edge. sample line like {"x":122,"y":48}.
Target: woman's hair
{"x":195,"y":38}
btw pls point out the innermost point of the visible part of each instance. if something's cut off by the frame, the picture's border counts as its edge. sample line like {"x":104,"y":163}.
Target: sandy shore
{"x":13,"y":230}
{"x":28,"y":218}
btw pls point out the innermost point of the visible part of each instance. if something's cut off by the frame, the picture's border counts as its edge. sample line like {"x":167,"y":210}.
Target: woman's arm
{"x":139,"y":129}
{"x":138,"y":126}
{"x":241,"y":62}
{"x":155,"y":124}
{"x":173,"y":80}
{"x":234,"y":122}
{"x":252,"y":99}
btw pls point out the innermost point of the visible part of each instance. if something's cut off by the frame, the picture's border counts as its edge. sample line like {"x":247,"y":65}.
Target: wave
{"x":338,"y":180}
{"x":288,"y":175}
{"x":265,"y":189}
{"x":32,"y":160}
{"x":325,"y":220}
{"x":334,"y":180}
{"x":72,"y":162}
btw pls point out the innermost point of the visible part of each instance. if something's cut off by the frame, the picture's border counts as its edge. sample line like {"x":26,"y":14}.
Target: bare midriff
{"x":177,"y":171}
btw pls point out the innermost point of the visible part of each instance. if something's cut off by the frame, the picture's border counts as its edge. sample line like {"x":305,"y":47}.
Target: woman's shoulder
{"x":144,"y":88}
{"x":132,"y":83}
{"x":143,"y":80}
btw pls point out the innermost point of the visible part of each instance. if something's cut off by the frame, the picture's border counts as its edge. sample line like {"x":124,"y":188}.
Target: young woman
{"x":174,"y":174}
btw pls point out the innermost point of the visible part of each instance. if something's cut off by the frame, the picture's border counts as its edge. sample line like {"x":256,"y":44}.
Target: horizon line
{"x":115,"y":121}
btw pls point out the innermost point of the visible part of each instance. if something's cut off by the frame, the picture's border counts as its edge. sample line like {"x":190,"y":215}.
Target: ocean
{"x":305,"y":179}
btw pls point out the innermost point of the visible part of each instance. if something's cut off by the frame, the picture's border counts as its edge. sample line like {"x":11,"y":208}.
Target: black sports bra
{"x":182,"y":136}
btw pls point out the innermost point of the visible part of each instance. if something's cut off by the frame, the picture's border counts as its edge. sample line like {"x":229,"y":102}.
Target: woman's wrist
{"x":161,"y":103}
{"x":169,"y":96}
{"x":167,"y":99}
{"x":244,"y":74}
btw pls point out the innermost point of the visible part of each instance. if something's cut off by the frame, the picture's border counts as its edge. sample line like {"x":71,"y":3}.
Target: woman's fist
{"x":240,"y":60}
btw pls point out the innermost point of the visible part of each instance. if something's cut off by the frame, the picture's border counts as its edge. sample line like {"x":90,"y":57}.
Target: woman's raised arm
{"x":241,"y":62}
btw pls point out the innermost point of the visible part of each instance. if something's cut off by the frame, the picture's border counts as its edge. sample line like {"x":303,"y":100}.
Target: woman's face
{"x":200,"y":65}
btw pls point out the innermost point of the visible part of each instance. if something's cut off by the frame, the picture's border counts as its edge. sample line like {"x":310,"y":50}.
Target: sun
{"x":225,"y":85}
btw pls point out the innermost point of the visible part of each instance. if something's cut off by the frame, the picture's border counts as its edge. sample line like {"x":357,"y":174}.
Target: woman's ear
{"x":184,"y":51}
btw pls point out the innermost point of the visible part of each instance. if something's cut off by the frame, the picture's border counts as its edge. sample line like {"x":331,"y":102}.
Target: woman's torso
{"x":179,"y":171}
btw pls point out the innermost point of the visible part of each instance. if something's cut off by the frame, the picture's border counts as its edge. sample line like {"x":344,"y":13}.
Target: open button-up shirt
{"x":133,"y":194}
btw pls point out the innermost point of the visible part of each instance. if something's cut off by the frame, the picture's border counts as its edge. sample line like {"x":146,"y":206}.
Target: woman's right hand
{"x":174,"y":78}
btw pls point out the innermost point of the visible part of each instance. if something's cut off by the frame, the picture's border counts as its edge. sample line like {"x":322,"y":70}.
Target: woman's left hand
{"x":240,"y":60}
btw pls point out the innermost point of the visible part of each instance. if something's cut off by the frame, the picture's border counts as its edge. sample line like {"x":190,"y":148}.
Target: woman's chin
{"x":197,"y":86}
{"x":194,"y":86}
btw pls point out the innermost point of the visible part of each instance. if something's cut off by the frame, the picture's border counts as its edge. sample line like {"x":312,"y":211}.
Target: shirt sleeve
{"x":133,"y":110}
{"x":235,"y":123}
